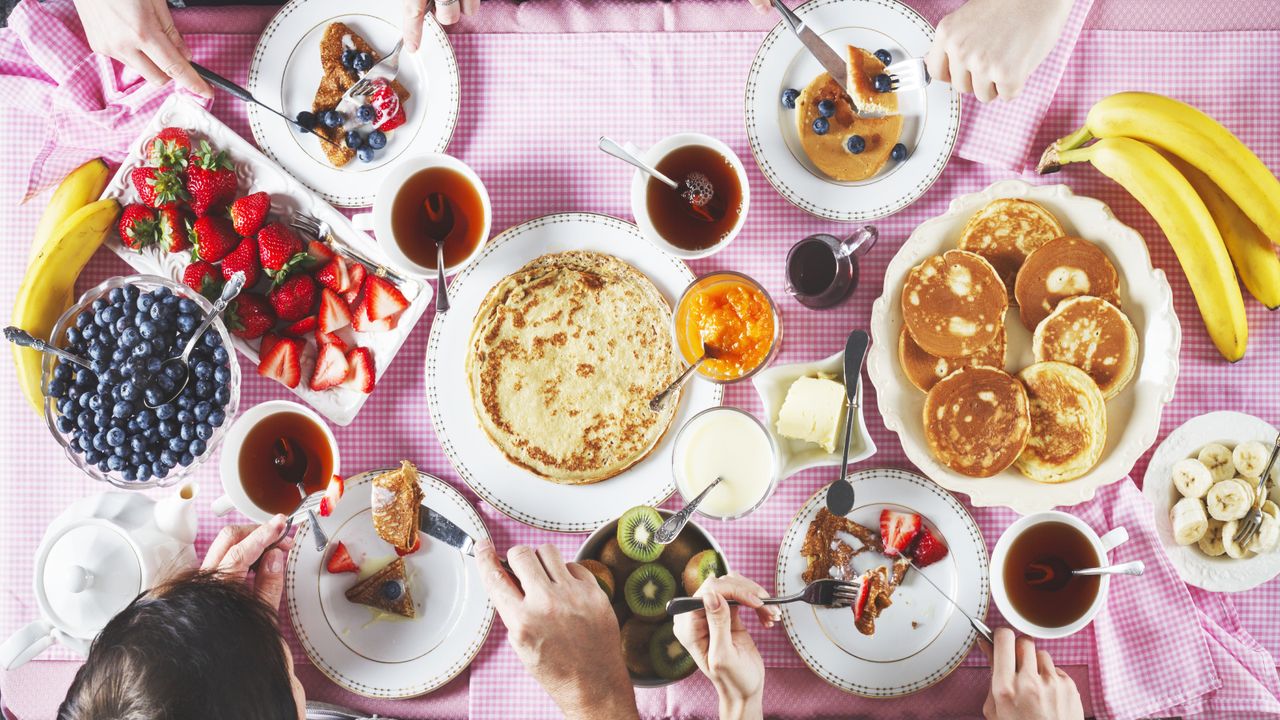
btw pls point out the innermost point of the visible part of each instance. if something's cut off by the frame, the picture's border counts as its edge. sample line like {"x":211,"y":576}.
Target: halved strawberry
{"x":357,"y":273}
{"x":360,"y":321}
{"x":361,"y":376}
{"x":324,"y":338}
{"x":330,"y":275}
{"x":332,"y":494}
{"x":417,"y":545}
{"x":340,"y":561}
{"x":929,"y":549}
{"x":334,"y":313}
{"x":331,"y":368}
{"x":321,"y":252}
{"x":302,"y":327}
{"x":382,"y":298}
{"x":281,"y":363}
{"x":897,"y":530}
{"x":864,"y":594}
{"x":268,"y":341}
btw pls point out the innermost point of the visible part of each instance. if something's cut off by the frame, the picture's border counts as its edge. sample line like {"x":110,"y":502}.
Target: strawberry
{"x":168,"y":148}
{"x":280,"y":250}
{"x":320,"y":252}
{"x":204,"y":278}
{"x":138,"y":226}
{"x":332,"y":494}
{"x":175,"y":229}
{"x":331,"y":368}
{"x":264,"y":346}
{"x":249,"y":316}
{"x":294,"y":298}
{"x":157,"y":188}
{"x":243,"y":259}
{"x":417,"y":545}
{"x":331,"y":275}
{"x":357,"y":273}
{"x":213,"y":238}
{"x":388,"y":110}
{"x":929,"y":549}
{"x":323,"y":338}
{"x":249,"y":212}
{"x":864,"y":594}
{"x":334,"y":313}
{"x":897,"y":530}
{"x":211,"y":179}
{"x":382,"y":299}
{"x":302,"y":327}
{"x":340,"y":561}
{"x":280,"y":361}
{"x":361,"y":376}
{"x":360,"y":321}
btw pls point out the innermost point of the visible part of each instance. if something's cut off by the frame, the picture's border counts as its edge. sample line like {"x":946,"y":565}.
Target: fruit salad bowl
{"x":105,"y":427}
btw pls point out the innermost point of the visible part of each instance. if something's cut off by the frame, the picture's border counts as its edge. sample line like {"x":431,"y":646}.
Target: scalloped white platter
{"x":1133,"y":416}
{"x":1218,"y":574}
{"x":256,"y":172}
{"x":285,"y":72}
{"x":931,"y":115}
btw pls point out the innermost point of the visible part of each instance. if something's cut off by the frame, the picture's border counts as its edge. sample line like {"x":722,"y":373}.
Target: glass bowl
{"x":682,"y":438}
{"x":144,"y":283}
{"x":710,"y":280}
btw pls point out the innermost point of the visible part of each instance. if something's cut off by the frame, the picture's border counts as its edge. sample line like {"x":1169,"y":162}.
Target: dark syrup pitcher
{"x":822,"y":270}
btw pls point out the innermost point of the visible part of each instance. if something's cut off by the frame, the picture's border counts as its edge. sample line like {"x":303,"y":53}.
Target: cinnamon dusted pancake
{"x":829,"y":151}
{"x":827,"y":548}
{"x":396,"y":499}
{"x":954,"y":304}
{"x":1061,"y":268}
{"x":336,"y":80}
{"x":1093,"y":335}
{"x":925,"y":370}
{"x":1006,"y":231}
{"x":977,"y":421}
{"x":1068,"y":423}
{"x":386,"y":590}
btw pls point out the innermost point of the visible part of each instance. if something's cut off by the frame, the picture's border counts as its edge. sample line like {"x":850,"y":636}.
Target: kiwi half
{"x":648,"y":590}
{"x":669,"y":658}
{"x":636,"y":639}
{"x":613,"y":557}
{"x":677,"y":553}
{"x":637,"y":529}
{"x":604,"y":578}
{"x":706,"y":564}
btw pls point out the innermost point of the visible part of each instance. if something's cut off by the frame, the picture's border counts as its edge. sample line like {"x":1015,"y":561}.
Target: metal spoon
{"x":708,"y":353}
{"x":291,"y":465}
{"x":1052,"y":573}
{"x":672,"y":526}
{"x":439,"y":215}
{"x":22,"y":338}
{"x":696,"y":188}
{"x":229,"y":292}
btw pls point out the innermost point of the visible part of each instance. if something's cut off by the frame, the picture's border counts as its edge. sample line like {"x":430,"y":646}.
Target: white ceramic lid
{"x":89,"y":574}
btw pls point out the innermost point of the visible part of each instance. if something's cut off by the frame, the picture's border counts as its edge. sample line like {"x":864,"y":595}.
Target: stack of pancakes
{"x":1050,"y":420}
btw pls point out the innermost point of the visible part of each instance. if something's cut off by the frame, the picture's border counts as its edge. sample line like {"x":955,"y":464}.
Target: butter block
{"x":811,"y":411}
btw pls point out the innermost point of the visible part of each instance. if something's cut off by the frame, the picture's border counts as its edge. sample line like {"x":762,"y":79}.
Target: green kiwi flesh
{"x":637,"y":530}
{"x":705,"y":564}
{"x":648,"y":590}
{"x":636,"y":636}
{"x":667,"y":656}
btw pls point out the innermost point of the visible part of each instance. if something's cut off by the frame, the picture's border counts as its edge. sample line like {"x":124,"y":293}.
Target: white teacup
{"x":234,"y":495}
{"x":1101,"y":546}
{"x":379,"y":221}
{"x":640,"y":183}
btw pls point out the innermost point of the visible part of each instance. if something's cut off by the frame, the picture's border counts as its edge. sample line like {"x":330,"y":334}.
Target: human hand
{"x":1025,"y":685}
{"x":448,"y":12}
{"x":238,"y":547}
{"x":721,"y":646}
{"x":991,"y":47}
{"x":762,"y":6}
{"x":562,"y":628}
{"x":140,"y":34}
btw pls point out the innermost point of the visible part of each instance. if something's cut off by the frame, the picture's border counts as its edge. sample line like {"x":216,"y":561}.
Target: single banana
{"x":1192,"y":478}
{"x":1191,"y":135}
{"x":1250,"y":458}
{"x":1211,"y":542}
{"x":1267,"y":537}
{"x":1186,"y":222}
{"x":1217,"y":457}
{"x":1188,"y":520}
{"x":1228,"y":500}
{"x":79,"y":188}
{"x":1229,"y":541}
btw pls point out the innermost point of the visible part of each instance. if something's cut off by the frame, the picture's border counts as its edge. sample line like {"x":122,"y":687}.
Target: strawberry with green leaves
{"x":295,"y":298}
{"x":248,"y":213}
{"x":204,"y":278}
{"x":249,"y":316}
{"x":157,"y":188}
{"x":169,"y":148}
{"x":243,"y":259}
{"x":280,"y":250}
{"x":213,"y":238}
{"x":211,"y":179}
{"x":138,"y":226}
{"x":175,"y":228}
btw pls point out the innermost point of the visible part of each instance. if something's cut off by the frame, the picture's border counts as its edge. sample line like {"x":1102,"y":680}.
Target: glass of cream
{"x":728,"y":443}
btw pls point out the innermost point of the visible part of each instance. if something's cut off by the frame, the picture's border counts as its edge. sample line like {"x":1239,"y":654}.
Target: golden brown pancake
{"x":1068,"y":423}
{"x":1093,"y":335}
{"x":395,"y":501}
{"x":977,"y":421}
{"x":1006,"y":231}
{"x":925,"y":370}
{"x":863,"y":67}
{"x":954,"y":304}
{"x":1061,"y":268}
{"x":828,"y":152}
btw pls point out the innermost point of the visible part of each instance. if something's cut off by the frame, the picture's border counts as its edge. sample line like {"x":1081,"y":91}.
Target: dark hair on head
{"x":200,"y":646}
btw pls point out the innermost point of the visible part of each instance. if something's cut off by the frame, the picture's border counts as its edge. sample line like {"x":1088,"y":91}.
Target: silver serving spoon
{"x":22,"y":338}
{"x":438,"y":211}
{"x":182,"y":360}
{"x":695,"y":188}
{"x":671,"y":527}
{"x":291,"y":465}
{"x":659,"y":400}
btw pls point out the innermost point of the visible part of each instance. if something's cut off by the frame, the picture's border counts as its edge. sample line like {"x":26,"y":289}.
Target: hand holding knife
{"x":244,"y":95}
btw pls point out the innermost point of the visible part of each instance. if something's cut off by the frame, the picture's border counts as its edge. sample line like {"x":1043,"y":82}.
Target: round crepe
{"x":565,"y":355}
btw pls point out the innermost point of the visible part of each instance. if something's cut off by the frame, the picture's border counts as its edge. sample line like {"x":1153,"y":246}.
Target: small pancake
{"x":1093,"y":335}
{"x":828,"y":152}
{"x":1006,"y":231}
{"x":863,"y":67}
{"x":925,"y":370}
{"x":954,"y":304}
{"x":1061,"y":268}
{"x":1068,"y":423}
{"x":977,"y":421}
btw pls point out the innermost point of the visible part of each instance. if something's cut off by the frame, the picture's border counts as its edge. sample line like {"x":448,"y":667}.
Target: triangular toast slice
{"x":336,"y":81}
{"x":397,"y":599}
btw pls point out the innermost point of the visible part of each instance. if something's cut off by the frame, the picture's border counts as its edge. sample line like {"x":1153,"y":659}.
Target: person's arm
{"x":140,"y":34}
{"x":237,"y":547}
{"x":1025,"y":685}
{"x":562,"y":628}
{"x":448,"y":12}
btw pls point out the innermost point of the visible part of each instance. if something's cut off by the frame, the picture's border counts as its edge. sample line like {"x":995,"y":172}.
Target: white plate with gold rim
{"x":1133,"y":416}
{"x":370,"y":653}
{"x":920,"y":638}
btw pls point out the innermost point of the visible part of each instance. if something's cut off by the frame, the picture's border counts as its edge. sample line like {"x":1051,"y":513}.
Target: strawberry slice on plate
{"x":360,"y":321}
{"x":929,"y":549}
{"x":302,"y":327}
{"x":332,"y":494}
{"x":334,"y":313}
{"x":330,"y":275}
{"x":331,"y":368}
{"x":897,"y":530}
{"x":362,"y":375}
{"x":320,"y":252}
{"x":324,"y":338}
{"x":382,"y":298}
{"x":282,"y":361}
{"x":340,"y":560}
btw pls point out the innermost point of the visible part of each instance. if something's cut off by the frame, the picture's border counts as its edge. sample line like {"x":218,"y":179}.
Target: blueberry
{"x":366,"y":113}
{"x":153,"y":396}
{"x":391,"y":590}
{"x":153,"y":365}
{"x":220,"y":355}
{"x":331,"y":118}
{"x":58,"y":388}
{"x":882,"y":83}
{"x":204,"y":431}
{"x":83,"y":320}
{"x":353,"y":140}
{"x":84,"y":421}
{"x":129,"y":474}
{"x":65,"y":424}
{"x":146,"y":419}
{"x":115,"y":437}
{"x":377,"y":140}
{"x":789,"y":98}
{"x":217,"y":417}
{"x":177,"y":444}
{"x":143,"y":349}
{"x":167,"y":429}
{"x":73,"y":336}
{"x":187,"y":431}
{"x":221,"y":374}
{"x":211,"y":339}
{"x":116,"y":295}
{"x":85,"y":378}
{"x":883,"y":56}
{"x":204,"y":389}
{"x":202,"y":411}
{"x":85,"y":442}
{"x":166,"y":411}
{"x":95,"y":402}
{"x":821,"y":126}
{"x":130,"y":337}
{"x":203,"y":369}
{"x":826,"y":108}
{"x":147,"y":329}
{"x":186,"y":459}
{"x":899,"y":152}
{"x":102,"y":418}
{"x":88,"y":332}
{"x":168,"y":458}
{"x":159,"y":470}
{"x":197,"y":447}
{"x":121,"y":324}
{"x":185,"y":417}
{"x":173,"y":371}
{"x":307,"y":120}
{"x":855,"y":144}
{"x":188,"y":305}
{"x":144,"y":302}
{"x":122,"y":409}
{"x":187,"y":323}
{"x":365,"y":154}
{"x":348,"y":57}
{"x":362,"y":62}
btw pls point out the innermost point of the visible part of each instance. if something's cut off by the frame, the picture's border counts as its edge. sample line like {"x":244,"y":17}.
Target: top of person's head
{"x":198,"y":647}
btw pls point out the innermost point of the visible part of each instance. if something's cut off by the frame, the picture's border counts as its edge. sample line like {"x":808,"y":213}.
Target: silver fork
{"x":386,"y":69}
{"x":1252,"y":521}
{"x":907,"y":75}
{"x":826,"y":592}
{"x":320,"y":230}
{"x":980,"y":627}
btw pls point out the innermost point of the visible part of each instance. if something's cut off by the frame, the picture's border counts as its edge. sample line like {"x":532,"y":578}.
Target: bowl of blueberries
{"x":120,"y":422}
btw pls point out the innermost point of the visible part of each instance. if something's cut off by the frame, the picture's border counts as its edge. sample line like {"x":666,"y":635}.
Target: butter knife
{"x":828,"y":58}
{"x":244,"y":95}
{"x":840,"y":492}
{"x":983,"y":630}
{"x":445,"y":530}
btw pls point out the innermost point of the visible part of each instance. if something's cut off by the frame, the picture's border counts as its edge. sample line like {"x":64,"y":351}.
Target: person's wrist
{"x":607,"y":694}
{"x":736,"y":706}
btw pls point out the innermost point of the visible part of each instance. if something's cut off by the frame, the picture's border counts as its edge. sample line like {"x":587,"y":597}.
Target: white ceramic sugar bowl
{"x":95,"y":558}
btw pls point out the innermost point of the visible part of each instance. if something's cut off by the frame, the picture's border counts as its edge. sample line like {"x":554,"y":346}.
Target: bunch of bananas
{"x":1213,"y":198}
{"x":73,"y":226}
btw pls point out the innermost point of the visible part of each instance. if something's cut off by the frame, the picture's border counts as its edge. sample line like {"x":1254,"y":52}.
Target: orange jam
{"x":734,"y":320}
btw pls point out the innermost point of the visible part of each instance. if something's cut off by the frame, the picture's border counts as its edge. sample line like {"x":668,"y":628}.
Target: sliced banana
{"x":1270,"y":508}
{"x":1192,"y":478}
{"x":1217,"y":457}
{"x":1229,"y":541}
{"x":1211,"y":542}
{"x":1273,"y":494}
{"x":1228,"y":500}
{"x":1250,"y":458}
{"x":1188,"y":520}
{"x":1268,"y":535}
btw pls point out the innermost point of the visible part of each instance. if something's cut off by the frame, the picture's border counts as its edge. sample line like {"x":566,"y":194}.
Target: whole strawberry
{"x":295,"y":298}
{"x":156,"y":187}
{"x":175,"y":229}
{"x":203,"y":277}
{"x":211,"y":179}
{"x":169,"y":148}
{"x":249,"y":212}
{"x":280,"y":250}
{"x":138,"y":226}
{"x":213,"y":238}
{"x":243,"y":259}
{"x":249,"y":316}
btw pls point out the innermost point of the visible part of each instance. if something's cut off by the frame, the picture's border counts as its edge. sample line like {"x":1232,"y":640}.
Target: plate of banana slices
{"x":1203,"y":479}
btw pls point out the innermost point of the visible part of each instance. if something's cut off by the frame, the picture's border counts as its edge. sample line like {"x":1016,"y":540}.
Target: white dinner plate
{"x":508,"y":487}
{"x":1218,"y":574}
{"x":374,"y":654}
{"x":1133,"y":416}
{"x":920,"y":638}
{"x":931,"y":115}
{"x":285,"y":72}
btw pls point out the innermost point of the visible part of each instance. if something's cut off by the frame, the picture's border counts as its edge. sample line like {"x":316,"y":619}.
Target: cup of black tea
{"x":822,"y":270}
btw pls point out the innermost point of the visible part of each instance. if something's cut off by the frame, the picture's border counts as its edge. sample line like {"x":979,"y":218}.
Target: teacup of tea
{"x":1031,"y":578}
{"x":424,"y":197}
{"x":266,"y":451}
{"x":668,"y":218}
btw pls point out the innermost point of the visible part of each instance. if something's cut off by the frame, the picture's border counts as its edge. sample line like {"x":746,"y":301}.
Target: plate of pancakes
{"x":1024,"y":347}
{"x":847,"y":172}
{"x":539,"y":376}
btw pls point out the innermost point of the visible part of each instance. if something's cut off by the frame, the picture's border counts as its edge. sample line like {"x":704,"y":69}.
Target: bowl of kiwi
{"x":640,"y":576}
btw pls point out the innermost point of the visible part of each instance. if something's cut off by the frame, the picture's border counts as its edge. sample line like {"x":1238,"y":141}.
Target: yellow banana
{"x":1191,"y":135}
{"x":1185,"y":220}
{"x":79,"y":188}
{"x":50,"y":277}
